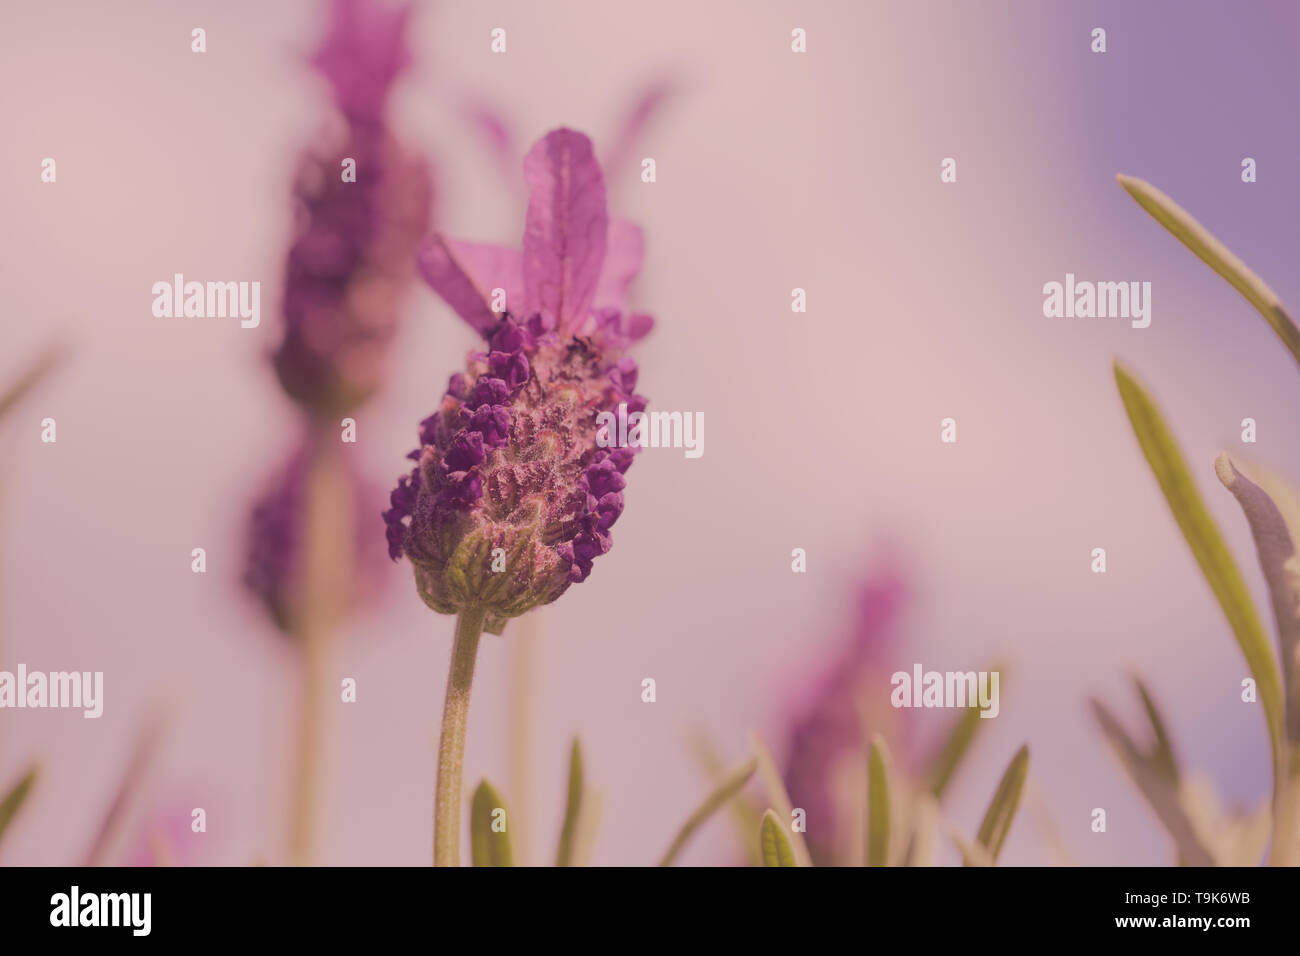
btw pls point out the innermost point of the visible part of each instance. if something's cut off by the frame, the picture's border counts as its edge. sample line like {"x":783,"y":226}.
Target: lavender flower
{"x":510,"y":459}
{"x":275,"y":563}
{"x":363,"y":203}
{"x":349,"y":267}
{"x":827,"y":728}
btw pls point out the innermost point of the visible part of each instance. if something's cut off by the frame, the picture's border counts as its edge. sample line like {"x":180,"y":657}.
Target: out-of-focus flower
{"x":363,"y":204}
{"x":830,"y":725}
{"x":362,"y":54}
{"x":511,"y":460}
{"x":276,"y":546}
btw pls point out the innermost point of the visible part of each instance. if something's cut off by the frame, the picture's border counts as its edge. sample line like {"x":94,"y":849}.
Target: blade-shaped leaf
{"x":777,"y":795}
{"x":878,"y":803}
{"x":1278,"y":561}
{"x":1217,"y":256}
{"x":32,"y":376}
{"x":489,"y":839}
{"x":584,"y":841}
{"x":774,"y":843}
{"x":13,"y":800}
{"x":1002,"y":808}
{"x":946,"y":760}
{"x":745,"y":814}
{"x":722,"y":794}
{"x":972,"y":854}
{"x":1162,"y":756}
{"x":923,"y":830}
{"x":1207,"y":546}
{"x":1160,"y":790}
{"x":564,"y":856}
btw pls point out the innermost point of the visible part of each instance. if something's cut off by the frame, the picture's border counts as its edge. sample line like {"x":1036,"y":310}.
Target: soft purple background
{"x":775,"y":171}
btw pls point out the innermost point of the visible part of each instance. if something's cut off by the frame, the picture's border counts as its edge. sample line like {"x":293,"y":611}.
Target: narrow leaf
{"x":143,"y":755}
{"x":32,"y":376}
{"x":778,"y":796}
{"x":726,"y":790}
{"x":14,"y":799}
{"x":564,"y":856}
{"x":1161,"y":791}
{"x":491,"y":847}
{"x":1208,"y":547}
{"x":1162,"y":757}
{"x":1277,"y":559}
{"x":774,"y":843}
{"x":1217,"y":256}
{"x":946,"y":760}
{"x":584,"y":841}
{"x":923,"y":831}
{"x":1002,"y":808}
{"x":745,"y":814}
{"x":878,"y":803}
{"x":972,"y":854}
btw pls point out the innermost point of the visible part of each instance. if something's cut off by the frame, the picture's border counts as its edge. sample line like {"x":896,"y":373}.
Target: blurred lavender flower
{"x":829,"y":726}
{"x":351,"y":262}
{"x":510,"y":460}
{"x":349,"y":268}
{"x":275,"y":547}
{"x":363,"y":204}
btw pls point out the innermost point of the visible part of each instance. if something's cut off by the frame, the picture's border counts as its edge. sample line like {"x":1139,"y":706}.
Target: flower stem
{"x":451,"y":745}
{"x":318,"y":608}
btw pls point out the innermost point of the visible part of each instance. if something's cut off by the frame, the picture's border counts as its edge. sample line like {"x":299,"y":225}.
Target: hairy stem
{"x":451,"y":745}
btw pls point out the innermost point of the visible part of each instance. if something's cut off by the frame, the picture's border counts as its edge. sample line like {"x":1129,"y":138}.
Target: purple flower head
{"x":276,"y":543}
{"x":362,"y":206}
{"x":826,"y":728}
{"x":512,"y":497}
{"x":362,"y":53}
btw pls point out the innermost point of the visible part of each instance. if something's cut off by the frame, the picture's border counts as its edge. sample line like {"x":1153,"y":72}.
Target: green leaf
{"x":726,"y":790}
{"x":1160,"y":789}
{"x":1002,"y":808}
{"x":1217,"y":256}
{"x":774,"y":844}
{"x":1277,"y":559}
{"x":972,"y":854}
{"x":1208,"y":547}
{"x":878,"y":803}
{"x":14,"y":799}
{"x":490,"y":847}
{"x":745,"y":813}
{"x":777,"y":795}
{"x":946,"y":760}
{"x":32,"y":376}
{"x":1162,"y":756}
{"x":564,"y":856}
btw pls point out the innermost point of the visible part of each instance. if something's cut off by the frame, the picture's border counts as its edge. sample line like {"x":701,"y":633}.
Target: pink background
{"x":774,"y":171}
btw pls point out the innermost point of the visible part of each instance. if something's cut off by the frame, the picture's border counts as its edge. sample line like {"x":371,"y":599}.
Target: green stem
{"x":451,"y":745}
{"x":317,"y":609}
